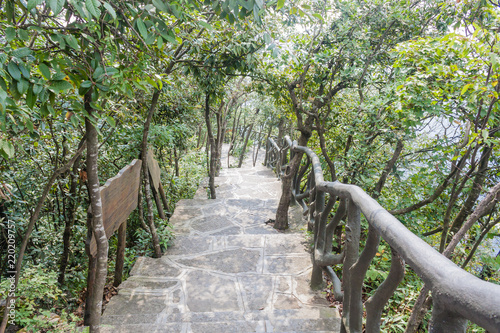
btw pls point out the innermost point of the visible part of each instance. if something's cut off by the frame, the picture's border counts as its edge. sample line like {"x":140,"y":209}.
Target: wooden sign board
{"x":119,"y":198}
{"x":154,"y":170}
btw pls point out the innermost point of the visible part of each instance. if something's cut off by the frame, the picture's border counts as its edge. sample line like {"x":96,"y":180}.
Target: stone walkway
{"x":228,"y":271}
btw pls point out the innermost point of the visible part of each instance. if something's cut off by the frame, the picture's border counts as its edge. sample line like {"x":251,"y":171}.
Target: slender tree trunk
{"x":213,"y":149}
{"x":90,"y":289}
{"x":199,"y":136}
{"x":242,"y":156}
{"x":281,"y":131}
{"x":321,"y":135}
{"x":97,"y":219}
{"x":419,"y":310}
{"x":145,"y":170}
{"x":164,"y":198}
{"x":158,"y":202}
{"x":233,"y":136}
{"x":120,"y":254}
{"x":140,"y":207}
{"x":68,"y":229}
{"x":388,"y":167}
{"x":176,"y":162}
{"x":281,"y":221}
{"x":258,"y":146}
{"x":267,"y":139}
{"x":475,"y":191}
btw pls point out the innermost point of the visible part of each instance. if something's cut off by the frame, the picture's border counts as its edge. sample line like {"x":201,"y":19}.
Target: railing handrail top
{"x":443,"y":276}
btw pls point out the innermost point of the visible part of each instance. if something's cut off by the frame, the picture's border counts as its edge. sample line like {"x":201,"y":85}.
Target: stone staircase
{"x":227,"y":271}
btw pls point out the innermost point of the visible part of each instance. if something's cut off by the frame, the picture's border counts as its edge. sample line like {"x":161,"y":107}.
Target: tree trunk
{"x":158,"y":202}
{"x":267,"y":139}
{"x":199,"y":136}
{"x":475,"y":191}
{"x":140,"y":207}
{"x":68,"y":229}
{"x":120,"y":254}
{"x":242,"y":156}
{"x":321,"y":134}
{"x":286,"y":192}
{"x":97,"y":219}
{"x":388,"y":167}
{"x":258,"y":145}
{"x":145,"y":170}
{"x":164,"y":198}
{"x":90,"y":289}
{"x":213,"y":149}
{"x":176,"y":162}
{"x":233,"y":136}
{"x":221,"y":129}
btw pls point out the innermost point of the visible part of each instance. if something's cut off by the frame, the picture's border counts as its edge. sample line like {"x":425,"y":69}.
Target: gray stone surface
{"x":210,"y":293}
{"x":227,"y":270}
{"x":228,"y":261}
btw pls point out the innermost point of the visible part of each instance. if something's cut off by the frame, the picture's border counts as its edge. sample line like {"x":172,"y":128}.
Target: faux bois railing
{"x":457,"y":295}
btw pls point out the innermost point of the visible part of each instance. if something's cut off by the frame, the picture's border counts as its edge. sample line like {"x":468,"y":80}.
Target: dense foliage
{"x":398,"y":97}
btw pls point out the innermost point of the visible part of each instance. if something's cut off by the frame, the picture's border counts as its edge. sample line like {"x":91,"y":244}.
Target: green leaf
{"x":150,"y":39}
{"x":30,"y":98}
{"x":51,"y":110}
{"x":22,"y":86}
{"x":56,"y":6}
{"x":58,"y":76}
{"x":83,"y":13}
{"x":86,"y":84}
{"x":6,"y":148}
{"x":24,"y":70}
{"x":23,"y":34}
{"x":10,"y":34}
{"x":160,"y":5}
{"x":59,"y":86}
{"x":74,"y":121}
{"x":14,"y":71}
{"x":206,"y":25}
{"x":44,"y":111}
{"x":102,"y":87}
{"x":280,"y":4}
{"x":29,"y":125}
{"x":319,"y":17}
{"x":142,"y":28}
{"x":33,"y":3}
{"x":110,"y":10}
{"x":72,"y":42}
{"x":111,"y":121}
{"x":93,"y":7}
{"x":464,"y":89}
{"x":37,"y":89}
{"x":21,"y":52}
{"x":267,"y":38}
{"x":98,"y":73}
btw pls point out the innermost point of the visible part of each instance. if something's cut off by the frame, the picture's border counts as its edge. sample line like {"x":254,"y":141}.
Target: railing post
{"x":266,"y":158}
{"x":352,"y":234}
{"x":317,"y":272}
{"x":443,"y":321}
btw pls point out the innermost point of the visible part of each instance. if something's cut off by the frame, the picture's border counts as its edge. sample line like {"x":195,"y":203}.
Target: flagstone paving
{"x":227,"y":271}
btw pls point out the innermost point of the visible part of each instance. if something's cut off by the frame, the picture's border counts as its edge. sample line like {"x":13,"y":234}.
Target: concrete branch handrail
{"x":458,"y":296}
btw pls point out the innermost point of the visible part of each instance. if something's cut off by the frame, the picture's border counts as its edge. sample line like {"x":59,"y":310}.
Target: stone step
{"x":282,"y":326}
{"x":202,"y":217}
{"x":273,"y":316}
{"x":303,"y":320}
{"x":227,"y":270}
